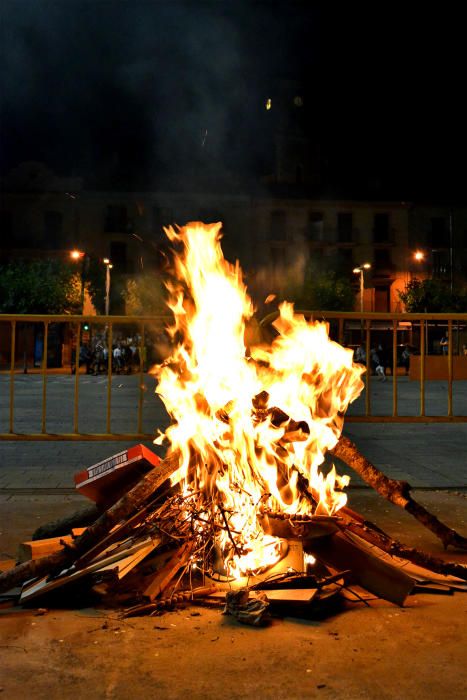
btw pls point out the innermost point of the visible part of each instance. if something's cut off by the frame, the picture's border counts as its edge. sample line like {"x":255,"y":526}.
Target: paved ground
{"x":379,"y":652}
{"x":426,"y":455}
{"x":92,"y":405}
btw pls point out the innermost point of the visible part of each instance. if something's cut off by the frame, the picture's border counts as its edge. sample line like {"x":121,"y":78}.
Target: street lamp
{"x":108,"y":266}
{"x":419,"y":255}
{"x":360,"y":271}
{"x":79,"y":255}
{"x":76,"y":254}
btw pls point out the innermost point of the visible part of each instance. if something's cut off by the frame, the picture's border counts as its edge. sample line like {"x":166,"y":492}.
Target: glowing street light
{"x":80,"y":255}
{"x":108,"y":266}
{"x":419,"y":255}
{"x":360,"y":271}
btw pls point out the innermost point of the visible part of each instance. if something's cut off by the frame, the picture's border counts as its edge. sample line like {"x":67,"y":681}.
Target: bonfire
{"x":247,"y":423}
{"x":246,"y":501}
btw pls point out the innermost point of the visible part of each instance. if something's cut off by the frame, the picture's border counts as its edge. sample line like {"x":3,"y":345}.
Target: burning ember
{"x":249,"y":425}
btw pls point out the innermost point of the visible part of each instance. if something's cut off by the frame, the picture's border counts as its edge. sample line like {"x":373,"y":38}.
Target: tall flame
{"x":247,"y":427}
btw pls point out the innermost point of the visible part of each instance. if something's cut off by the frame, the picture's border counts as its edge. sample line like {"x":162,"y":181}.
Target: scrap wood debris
{"x":153,"y":549}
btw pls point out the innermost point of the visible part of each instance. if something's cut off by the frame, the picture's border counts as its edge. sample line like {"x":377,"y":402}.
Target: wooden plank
{"x":130,"y":503}
{"x":377,"y":576}
{"x":124,"y":566}
{"x":34,"y":549}
{"x":39,"y":587}
{"x":416,"y":572}
{"x":77,"y":531}
{"x":164,"y":576}
{"x":291,"y":595}
{"x":6,"y":564}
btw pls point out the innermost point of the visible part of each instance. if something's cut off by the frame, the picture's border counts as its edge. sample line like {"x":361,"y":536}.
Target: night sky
{"x":125,"y":92}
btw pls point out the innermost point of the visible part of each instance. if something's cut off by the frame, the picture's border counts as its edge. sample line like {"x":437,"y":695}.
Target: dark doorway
{"x":382,"y":299}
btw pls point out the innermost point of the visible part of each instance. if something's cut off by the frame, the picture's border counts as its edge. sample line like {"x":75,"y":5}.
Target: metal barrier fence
{"x":364,"y":325}
{"x":108,"y":324}
{"x":344,"y":327}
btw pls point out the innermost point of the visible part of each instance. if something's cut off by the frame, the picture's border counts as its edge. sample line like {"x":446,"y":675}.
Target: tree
{"x":324,"y":290}
{"x":145,"y":294}
{"x":39,"y":287}
{"x":95,"y":283}
{"x":433,"y":295}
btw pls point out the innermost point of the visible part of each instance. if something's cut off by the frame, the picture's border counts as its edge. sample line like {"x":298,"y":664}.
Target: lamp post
{"x":108,"y":266}
{"x":420,"y":257}
{"x":360,"y":270}
{"x":79,"y":255}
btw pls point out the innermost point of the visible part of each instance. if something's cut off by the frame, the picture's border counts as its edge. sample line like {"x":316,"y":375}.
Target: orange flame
{"x":247,"y":427}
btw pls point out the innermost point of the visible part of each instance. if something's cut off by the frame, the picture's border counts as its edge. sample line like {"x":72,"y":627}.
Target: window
{"x":344,"y":227}
{"x":116,"y":219}
{"x":381,"y":228}
{"x":53,"y":226}
{"x":277,"y":226}
{"x":118,"y":256}
{"x":315,"y":226}
{"x":438,"y":232}
{"x":382,"y":259}
{"x":440,"y":263}
{"x":344,"y":261}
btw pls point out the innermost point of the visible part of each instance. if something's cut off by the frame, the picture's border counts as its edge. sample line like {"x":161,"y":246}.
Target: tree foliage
{"x":145,"y":294}
{"x":326,"y":291}
{"x":433,"y":295}
{"x":95,"y":283}
{"x":39,"y":287}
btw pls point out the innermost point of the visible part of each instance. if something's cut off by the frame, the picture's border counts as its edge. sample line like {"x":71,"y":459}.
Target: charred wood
{"x":62,"y":526}
{"x":349,"y":520}
{"x":397,"y":492}
{"x":373,"y":535}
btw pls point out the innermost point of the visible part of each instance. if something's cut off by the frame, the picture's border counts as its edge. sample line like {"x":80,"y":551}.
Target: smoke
{"x":136,"y":92}
{"x":146,"y":87}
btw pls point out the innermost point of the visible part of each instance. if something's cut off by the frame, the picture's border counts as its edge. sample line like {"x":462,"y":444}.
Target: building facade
{"x":275,"y":238}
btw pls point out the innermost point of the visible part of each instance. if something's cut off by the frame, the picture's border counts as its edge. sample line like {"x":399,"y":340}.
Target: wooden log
{"x":397,"y":492}
{"x":63,"y":526}
{"x":129,"y":503}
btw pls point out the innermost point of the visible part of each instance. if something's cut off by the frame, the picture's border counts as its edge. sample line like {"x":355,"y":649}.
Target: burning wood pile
{"x":240,"y":510}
